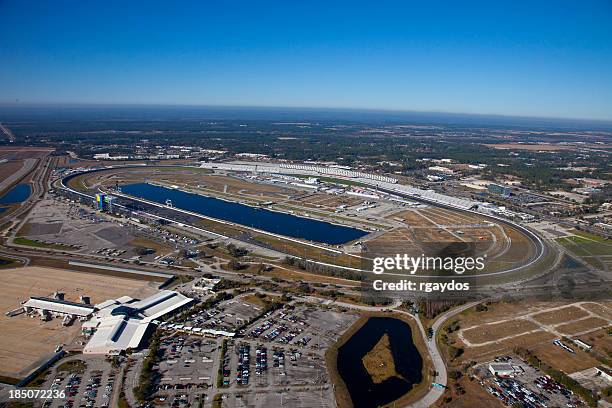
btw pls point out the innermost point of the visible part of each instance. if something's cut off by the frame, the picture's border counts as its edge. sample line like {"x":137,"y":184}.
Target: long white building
{"x":57,"y":307}
{"x":374,"y":180}
{"x":124,"y":323}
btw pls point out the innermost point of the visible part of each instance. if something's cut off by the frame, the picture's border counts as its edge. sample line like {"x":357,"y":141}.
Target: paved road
{"x":436,"y":357}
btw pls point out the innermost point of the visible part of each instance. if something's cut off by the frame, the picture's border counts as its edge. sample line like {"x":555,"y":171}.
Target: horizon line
{"x":297,"y":108}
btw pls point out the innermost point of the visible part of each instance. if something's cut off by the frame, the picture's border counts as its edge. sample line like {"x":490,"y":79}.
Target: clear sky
{"x":534,"y":58}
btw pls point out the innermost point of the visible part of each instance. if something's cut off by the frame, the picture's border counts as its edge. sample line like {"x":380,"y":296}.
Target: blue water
{"x":408,"y":362}
{"x":266,"y":220}
{"x":17,"y":194}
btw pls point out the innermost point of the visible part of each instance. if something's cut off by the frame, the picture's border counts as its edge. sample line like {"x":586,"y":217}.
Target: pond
{"x":17,"y":194}
{"x":262,"y":219}
{"x":408,"y":362}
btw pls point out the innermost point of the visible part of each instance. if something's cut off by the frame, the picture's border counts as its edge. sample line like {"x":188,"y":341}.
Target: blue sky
{"x":534,"y":58}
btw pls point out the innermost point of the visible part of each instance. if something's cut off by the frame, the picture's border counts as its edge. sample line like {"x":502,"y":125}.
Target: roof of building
{"x":59,"y":306}
{"x":604,"y":369}
{"x":123,"y":322}
{"x":501,"y":367}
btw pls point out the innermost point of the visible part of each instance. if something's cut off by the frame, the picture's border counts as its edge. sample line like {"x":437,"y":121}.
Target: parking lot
{"x":227,"y":316}
{"x":312,"y":398}
{"x":528,"y":386}
{"x":187,"y":362}
{"x":91,"y":388}
{"x":302,"y":326}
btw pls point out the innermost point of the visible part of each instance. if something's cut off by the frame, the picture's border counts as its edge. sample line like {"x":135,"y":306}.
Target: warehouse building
{"x":126,"y":323}
{"x":57,"y":307}
{"x":502,"y":369}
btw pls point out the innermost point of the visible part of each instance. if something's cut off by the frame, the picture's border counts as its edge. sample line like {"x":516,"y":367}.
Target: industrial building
{"x":125,"y":323}
{"x":498,"y":189}
{"x":57,"y":307}
{"x":604,"y":372}
{"x":501,"y":369}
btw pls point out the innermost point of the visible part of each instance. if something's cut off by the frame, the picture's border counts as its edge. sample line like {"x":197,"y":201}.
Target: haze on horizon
{"x":544,"y":59}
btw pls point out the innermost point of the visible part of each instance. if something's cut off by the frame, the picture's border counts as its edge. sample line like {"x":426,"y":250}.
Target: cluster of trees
{"x":326,"y":270}
{"x":236,"y":251}
{"x":147,"y":376}
{"x":221,"y":358}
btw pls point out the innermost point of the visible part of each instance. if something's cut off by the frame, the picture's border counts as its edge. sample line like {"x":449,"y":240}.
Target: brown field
{"x":8,"y":168}
{"x":564,"y":360}
{"x":23,"y":152}
{"x":601,"y":340}
{"x":434,"y":235}
{"x":583,"y":325}
{"x":598,"y":309}
{"x":485,"y":353}
{"x":148,"y":243}
{"x":444,"y":216}
{"x":26,"y":342}
{"x":560,"y":315}
{"x":412,"y":218}
{"x":327,"y":202}
{"x":481,"y":334}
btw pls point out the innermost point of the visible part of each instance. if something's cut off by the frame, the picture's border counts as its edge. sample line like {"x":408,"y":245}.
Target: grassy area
{"x":379,"y":362}
{"x":72,"y":367}
{"x":592,"y":237}
{"x":7,"y":263}
{"x":585,"y":246}
{"x":38,"y":244}
{"x":217,"y":401}
{"x":19,"y":404}
{"x":38,"y":380}
{"x":122,"y":403}
{"x":220,"y":369}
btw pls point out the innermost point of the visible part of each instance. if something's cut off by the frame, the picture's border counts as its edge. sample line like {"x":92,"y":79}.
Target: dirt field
{"x":564,"y":360}
{"x":20,"y":153}
{"x":412,"y":218}
{"x":26,"y":342}
{"x":560,"y":315}
{"x":499,"y":330}
{"x":582,"y":326}
{"x":535,"y":325}
{"x":8,"y":168}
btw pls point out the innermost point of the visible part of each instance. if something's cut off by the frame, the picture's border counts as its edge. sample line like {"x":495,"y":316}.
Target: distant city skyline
{"x":544,"y":59}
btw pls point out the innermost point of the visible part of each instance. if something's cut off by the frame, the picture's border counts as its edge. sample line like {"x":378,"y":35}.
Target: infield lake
{"x":259,"y":218}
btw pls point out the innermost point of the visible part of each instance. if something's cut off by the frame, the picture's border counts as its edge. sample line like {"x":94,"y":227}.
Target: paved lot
{"x":529,"y":386}
{"x":91,"y":388}
{"x":302,"y":326}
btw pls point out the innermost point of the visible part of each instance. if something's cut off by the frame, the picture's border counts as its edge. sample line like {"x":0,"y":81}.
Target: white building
{"x":501,"y":369}
{"x":605,"y":372}
{"x":124,"y":323}
{"x":57,"y":307}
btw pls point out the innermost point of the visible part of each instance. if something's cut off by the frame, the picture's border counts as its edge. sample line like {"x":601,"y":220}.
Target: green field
{"x":39,"y":244}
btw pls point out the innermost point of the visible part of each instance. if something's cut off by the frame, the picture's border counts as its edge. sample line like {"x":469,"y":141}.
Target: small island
{"x":379,"y":363}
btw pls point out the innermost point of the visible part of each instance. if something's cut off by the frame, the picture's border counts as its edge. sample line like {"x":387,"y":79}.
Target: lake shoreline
{"x":341,"y":392}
